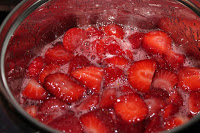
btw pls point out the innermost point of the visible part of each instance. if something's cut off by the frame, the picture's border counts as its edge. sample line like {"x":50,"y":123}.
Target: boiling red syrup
{"x":112,"y":78}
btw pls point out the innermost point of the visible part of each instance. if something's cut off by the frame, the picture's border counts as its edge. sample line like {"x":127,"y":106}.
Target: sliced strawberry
{"x":51,"y":109}
{"x":32,"y":110}
{"x":131,"y":128}
{"x":108,"y":98}
{"x":98,"y":122}
{"x":35,"y":67}
{"x":156,"y":42}
{"x":126,"y":90}
{"x":175,"y":121}
{"x":115,"y":30}
{"x":112,"y":74}
{"x":68,"y":123}
{"x":34,"y":90}
{"x":175,"y":98}
{"x":131,"y":108}
{"x":63,"y":88}
{"x":48,"y":69}
{"x":155,"y":124}
{"x":117,"y":61}
{"x":90,"y":76}
{"x":140,"y":74}
{"x":78,"y":61}
{"x":157,"y":93}
{"x":194,"y":102}
{"x":88,"y":103}
{"x":98,"y":46}
{"x":164,"y":79}
{"x":170,"y":110}
{"x":189,"y":78}
{"x":92,"y":31}
{"x":58,"y":54}
{"x":136,"y":39}
{"x":129,"y":54}
{"x":73,"y":38}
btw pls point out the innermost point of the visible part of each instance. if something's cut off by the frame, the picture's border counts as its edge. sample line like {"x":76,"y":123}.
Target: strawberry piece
{"x":98,"y":46}
{"x":189,"y":79}
{"x":164,"y":79}
{"x":34,"y":90}
{"x":114,"y":30}
{"x":170,"y":110}
{"x":51,"y":109}
{"x":78,"y":61}
{"x":88,"y":103}
{"x":175,"y":98}
{"x":73,"y":38}
{"x":129,"y":54}
{"x":117,"y":61}
{"x":131,"y":128}
{"x":194,"y":102}
{"x":136,"y":39}
{"x":68,"y":123}
{"x":35,"y":67}
{"x":131,"y":108}
{"x":140,"y":74}
{"x":126,"y":90}
{"x":175,"y":121}
{"x":58,"y":54}
{"x":90,"y":76}
{"x":48,"y":69}
{"x":98,"y":122}
{"x":32,"y":110}
{"x":92,"y":31}
{"x":154,"y":125}
{"x":63,"y":88}
{"x":156,"y":42}
{"x":108,"y":98}
{"x":157,"y":93}
{"x":112,"y":74}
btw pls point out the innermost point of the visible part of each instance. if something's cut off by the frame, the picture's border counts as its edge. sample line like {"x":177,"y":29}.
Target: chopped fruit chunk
{"x":35,"y":67}
{"x":156,"y":42}
{"x":127,"y":90}
{"x":73,"y":38}
{"x":68,"y":123}
{"x":34,"y":90}
{"x":140,"y":74}
{"x":112,"y":74}
{"x":92,"y":31}
{"x":155,"y":124}
{"x":117,"y":61}
{"x":164,"y":79}
{"x":175,"y":98}
{"x":136,"y":39}
{"x":194,"y":102}
{"x":115,"y":30}
{"x":131,"y":108}
{"x":175,"y":122}
{"x":58,"y":54}
{"x":98,"y":46}
{"x":189,"y":78}
{"x":157,"y":93}
{"x":170,"y":110}
{"x":108,"y":98}
{"x":63,"y":88}
{"x":90,"y":76}
{"x":32,"y":110}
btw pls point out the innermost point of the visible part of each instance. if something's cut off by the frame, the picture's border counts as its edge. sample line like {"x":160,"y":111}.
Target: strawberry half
{"x":115,"y":30}
{"x":32,"y":110}
{"x":34,"y":90}
{"x":140,"y":74}
{"x":90,"y":76}
{"x":58,"y":54}
{"x":189,"y":78}
{"x":170,"y":110}
{"x":73,"y":38}
{"x":175,"y":98}
{"x":194,"y":102}
{"x":63,"y":88}
{"x":112,"y":74}
{"x":164,"y":79}
{"x":131,"y":108}
{"x":156,"y":42}
{"x":117,"y":61}
{"x":136,"y":39}
{"x":155,"y":124}
{"x":108,"y":97}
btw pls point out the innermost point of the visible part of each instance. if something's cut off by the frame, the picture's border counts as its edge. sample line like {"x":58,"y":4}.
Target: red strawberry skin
{"x":112,"y":74}
{"x":175,"y":122}
{"x":140,"y":74}
{"x":117,"y":61}
{"x":34,"y":91}
{"x":194,"y":102}
{"x":108,"y":98}
{"x":136,"y":39}
{"x":32,"y":110}
{"x":63,"y":88}
{"x":90,"y":76}
{"x":115,"y":30}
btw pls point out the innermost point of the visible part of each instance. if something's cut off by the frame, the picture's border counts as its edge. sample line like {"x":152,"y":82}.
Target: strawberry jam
{"x":114,"y":78}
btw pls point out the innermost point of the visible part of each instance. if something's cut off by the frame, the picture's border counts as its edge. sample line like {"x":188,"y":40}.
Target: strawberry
{"x":92,"y":31}
{"x":68,"y":123}
{"x":164,"y":79}
{"x":155,"y":124}
{"x":126,"y":90}
{"x":117,"y":61}
{"x":140,"y":74}
{"x":136,"y":39}
{"x":73,"y":38}
{"x":90,"y":76}
{"x":34,"y":90}
{"x":108,"y":97}
{"x":98,"y":121}
{"x":175,"y":98}
{"x":194,"y":102}
{"x":48,"y":69}
{"x":112,"y":74}
{"x":51,"y":109}
{"x":131,"y":108}
{"x":189,"y":78}
{"x":129,"y":54}
{"x":63,"y":88}
{"x":35,"y":67}
{"x":32,"y":110}
{"x":89,"y":103}
{"x":58,"y":54}
{"x":170,"y":110}
{"x":114,"y":30}
{"x":98,"y":46}
{"x":156,"y":42}
{"x":157,"y":93}
{"x":131,"y":128}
